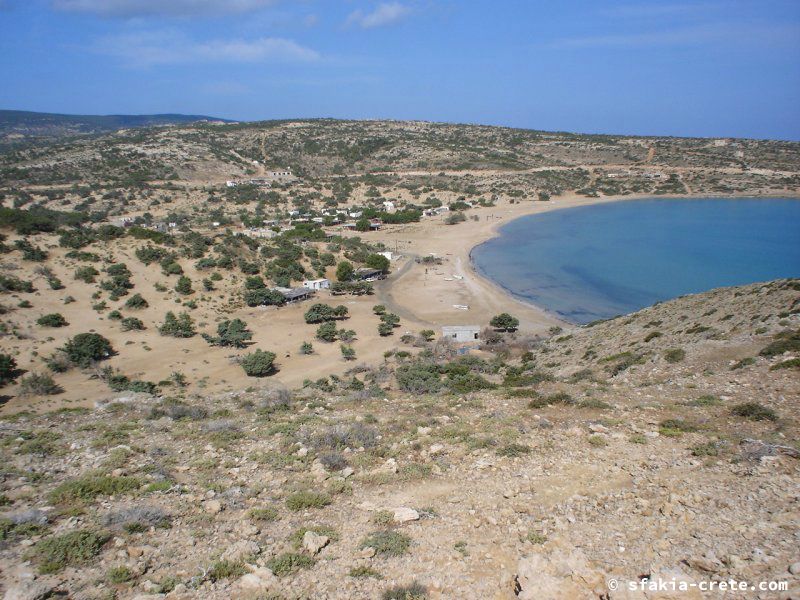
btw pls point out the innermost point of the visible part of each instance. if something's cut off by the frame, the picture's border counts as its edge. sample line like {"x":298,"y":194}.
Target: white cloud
{"x":169,"y":47}
{"x":384,"y":14}
{"x":150,"y":8}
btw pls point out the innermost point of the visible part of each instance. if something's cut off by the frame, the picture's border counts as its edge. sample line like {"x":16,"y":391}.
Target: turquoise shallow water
{"x":596,"y":262}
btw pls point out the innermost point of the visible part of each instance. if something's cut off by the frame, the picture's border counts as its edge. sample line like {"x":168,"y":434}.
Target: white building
{"x":260,"y":233}
{"x":461,"y":333}
{"x":388,"y":206}
{"x":388,"y":255}
{"x":317,"y":284}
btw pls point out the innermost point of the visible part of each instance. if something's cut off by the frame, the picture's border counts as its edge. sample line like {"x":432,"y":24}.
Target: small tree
{"x":263,"y":297}
{"x":379,"y":262}
{"x":362,"y":224}
{"x":184,"y":286}
{"x":8,"y":369}
{"x":427,"y":334}
{"x":52,"y":320}
{"x":319,"y":313}
{"x":385,"y":329}
{"x":347,"y":352}
{"x":504,"y":322}
{"x":259,"y":363}
{"x":230,"y":333}
{"x":390,"y":319}
{"x":181,"y":326}
{"x":306,"y":348}
{"x":344,"y":271}
{"x":87,"y":348}
{"x":327,"y":332}
{"x":346,"y":335}
{"x":379,"y":309}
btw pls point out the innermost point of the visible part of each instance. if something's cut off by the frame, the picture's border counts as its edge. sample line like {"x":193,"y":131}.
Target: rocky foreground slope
{"x":662,"y":444}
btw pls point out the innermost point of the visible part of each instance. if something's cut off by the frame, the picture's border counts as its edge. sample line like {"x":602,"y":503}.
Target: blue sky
{"x":716,"y":68}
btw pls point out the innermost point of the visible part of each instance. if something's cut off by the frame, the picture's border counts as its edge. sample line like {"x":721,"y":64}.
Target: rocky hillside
{"x":20,"y":124}
{"x":663,"y":444}
{"x":324,"y":148}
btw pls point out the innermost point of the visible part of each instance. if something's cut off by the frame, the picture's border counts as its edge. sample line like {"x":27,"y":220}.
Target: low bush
{"x":387,"y":543}
{"x":52,"y":320}
{"x":39,"y":384}
{"x":288,"y":563}
{"x":754,"y":411}
{"x":75,"y":548}
{"x":304,"y":500}
{"x":259,"y":363}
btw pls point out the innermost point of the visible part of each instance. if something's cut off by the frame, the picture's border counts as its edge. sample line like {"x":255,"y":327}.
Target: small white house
{"x":388,"y":255}
{"x":461,"y":333}
{"x":260,"y":233}
{"x":388,"y":206}
{"x":317,"y":284}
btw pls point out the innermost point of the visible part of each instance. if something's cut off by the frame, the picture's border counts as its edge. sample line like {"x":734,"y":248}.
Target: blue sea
{"x":596,"y":262}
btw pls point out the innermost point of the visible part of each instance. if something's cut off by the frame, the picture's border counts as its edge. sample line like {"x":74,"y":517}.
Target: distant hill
{"x":37,"y":124}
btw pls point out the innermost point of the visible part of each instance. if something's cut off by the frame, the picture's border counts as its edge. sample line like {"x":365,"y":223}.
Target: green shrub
{"x":70,"y":549}
{"x":786,"y":341}
{"x":181,"y":326}
{"x":39,"y":384}
{"x":303,"y":500}
{"x":118,"y":575}
{"x":674,"y":355}
{"x":327,"y":332}
{"x":387,"y":543}
{"x":792,"y":363}
{"x":184,"y":286}
{"x":233,"y":333}
{"x":136,"y":301}
{"x":289,"y":562}
{"x":706,"y":400}
{"x":259,"y":363}
{"x":556,"y":398}
{"x":513,"y":450}
{"x":52,"y":320}
{"x":263,"y":514}
{"x":8,"y":369}
{"x":419,"y":378}
{"x":319,"y":313}
{"x":363,"y":572}
{"x":414,"y":591}
{"x":754,"y":411}
{"x":226,"y":569}
{"x":91,"y":486}
{"x":87,"y":274}
{"x":87,"y":348}
{"x":132,"y":324}
{"x":504,"y":322}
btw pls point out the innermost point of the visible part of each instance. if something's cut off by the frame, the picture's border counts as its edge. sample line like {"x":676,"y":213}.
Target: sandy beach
{"x":434,"y":295}
{"x":427,"y":295}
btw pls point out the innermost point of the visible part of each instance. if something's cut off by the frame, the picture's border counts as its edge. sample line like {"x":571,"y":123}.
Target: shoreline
{"x":429,"y":294}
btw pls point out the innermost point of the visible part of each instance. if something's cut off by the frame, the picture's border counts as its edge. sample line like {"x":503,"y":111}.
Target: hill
{"x":171,"y":425}
{"x":648,"y":445}
{"x":36,"y":124}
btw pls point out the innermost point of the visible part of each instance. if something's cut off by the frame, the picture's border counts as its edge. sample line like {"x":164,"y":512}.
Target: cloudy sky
{"x":715,"y":68}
